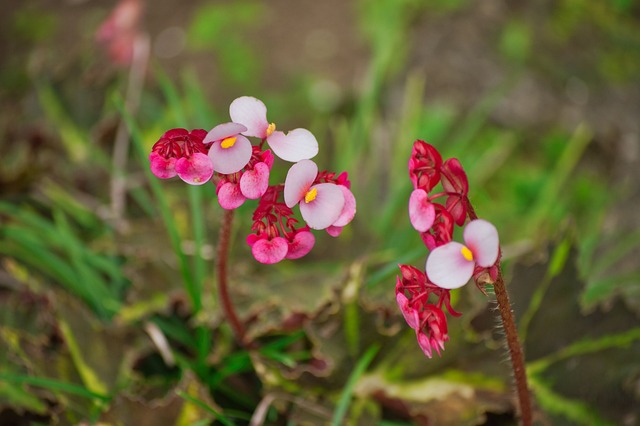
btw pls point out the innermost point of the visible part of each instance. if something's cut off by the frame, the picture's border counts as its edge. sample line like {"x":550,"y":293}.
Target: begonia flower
{"x":298,"y":144}
{"x":229,"y":150}
{"x":182,"y":153}
{"x":452,"y":265}
{"x":321,"y":205}
{"x":410,"y":314}
{"x":270,"y":251}
{"x":456,"y":185}
{"x":300,"y":244}
{"x":119,"y":32}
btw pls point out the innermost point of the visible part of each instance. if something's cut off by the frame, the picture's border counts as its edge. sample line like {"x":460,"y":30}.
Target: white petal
{"x":298,"y":144}
{"x":325,"y":209}
{"x":233,"y":159}
{"x":482,"y":239}
{"x":447,"y":267}
{"x":299,"y":179}
{"x":348,"y":210}
{"x":222,"y":131}
{"x":252,"y":113}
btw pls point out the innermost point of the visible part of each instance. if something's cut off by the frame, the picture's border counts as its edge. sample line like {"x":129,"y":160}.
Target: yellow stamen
{"x":311,"y":195}
{"x":466,"y":253}
{"x":270,"y":129}
{"x":228,"y":142}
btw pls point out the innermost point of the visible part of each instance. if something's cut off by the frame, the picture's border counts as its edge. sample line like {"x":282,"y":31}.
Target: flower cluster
{"x":241,"y":170}
{"x":450,"y":264}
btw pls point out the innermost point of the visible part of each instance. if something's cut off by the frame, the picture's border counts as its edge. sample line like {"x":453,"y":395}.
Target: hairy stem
{"x":515,"y":350}
{"x":223,"y":288}
{"x":513,"y":341}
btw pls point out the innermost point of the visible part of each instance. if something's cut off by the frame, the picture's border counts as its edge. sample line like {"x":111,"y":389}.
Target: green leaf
{"x":358,"y":371}
{"x":53,"y":385}
{"x":576,"y":411}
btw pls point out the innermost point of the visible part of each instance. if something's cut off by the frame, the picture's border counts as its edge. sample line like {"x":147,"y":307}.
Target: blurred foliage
{"x":116,"y":321}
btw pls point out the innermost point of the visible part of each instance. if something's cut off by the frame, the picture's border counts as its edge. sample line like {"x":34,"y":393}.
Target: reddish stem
{"x":513,"y":341}
{"x":223,"y":291}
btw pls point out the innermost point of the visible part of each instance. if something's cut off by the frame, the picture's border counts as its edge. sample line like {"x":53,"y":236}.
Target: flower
{"x":321,"y":205}
{"x":182,"y":153}
{"x":119,"y":32}
{"x":452,"y":265}
{"x":298,"y":144}
{"x":413,"y":290}
{"x":229,"y":151}
{"x":251,"y":183}
{"x":277,"y":235}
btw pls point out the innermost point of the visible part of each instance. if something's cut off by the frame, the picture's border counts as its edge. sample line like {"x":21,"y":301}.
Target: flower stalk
{"x":515,"y":349}
{"x":224,"y":240}
{"x":513,"y":341}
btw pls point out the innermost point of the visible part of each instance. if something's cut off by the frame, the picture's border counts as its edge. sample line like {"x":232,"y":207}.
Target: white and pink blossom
{"x":451,"y":265}
{"x":298,"y":144}
{"x":321,"y":205}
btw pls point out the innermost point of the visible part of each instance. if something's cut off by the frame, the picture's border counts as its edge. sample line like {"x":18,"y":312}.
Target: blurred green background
{"x":108,"y":311}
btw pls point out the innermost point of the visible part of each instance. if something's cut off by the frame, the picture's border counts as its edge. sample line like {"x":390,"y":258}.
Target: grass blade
{"x":345,"y":398}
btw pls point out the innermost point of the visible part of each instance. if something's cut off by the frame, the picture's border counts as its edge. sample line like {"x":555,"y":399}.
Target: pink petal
{"x":232,"y":159}
{"x":447,"y":267}
{"x":161,"y":167}
{"x":230,"y":197}
{"x":410,"y":314}
{"x":195,"y":170}
{"x":334,"y":231}
{"x":482,"y":239}
{"x":251,"y":113}
{"x":175,"y":133}
{"x":421,"y":211}
{"x":252,"y":239}
{"x":268,"y":158}
{"x":299,"y":179}
{"x":298,"y":144}
{"x":222,"y":131}
{"x":301,"y":245}
{"x":270,"y":251}
{"x":423,"y":342}
{"x":349,"y":209}
{"x":325,"y":209}
{"x":254,"y":183}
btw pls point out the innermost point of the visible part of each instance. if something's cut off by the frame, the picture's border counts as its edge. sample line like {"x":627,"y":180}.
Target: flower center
{"x":466,"y":253}
{"x":228,"y":142}
{"x":270,"y":129}
{"x":311,"y":195}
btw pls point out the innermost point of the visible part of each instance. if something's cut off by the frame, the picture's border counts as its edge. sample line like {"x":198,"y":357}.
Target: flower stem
{"x":513,"y":341}
{"x":223,"y":289}
{"x":515,"y":350}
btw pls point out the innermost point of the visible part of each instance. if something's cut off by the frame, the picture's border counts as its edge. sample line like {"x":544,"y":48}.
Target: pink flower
{"x":270,"y":251}
{"x":433,"y":331}
{"x":321,"y":205}
{"x":300,"y":243}
{"x":424,"y":166}
{"x":229,"y":151}
{"x":120,"y":30}
{"x":428,"y":319}
{"x":451,"y":265}
{"x":250,"y":183}
{"x":298,"y":144}
{"x":410,"y":314}
{"x":455,"y":184}
{"x":182,"y":153}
